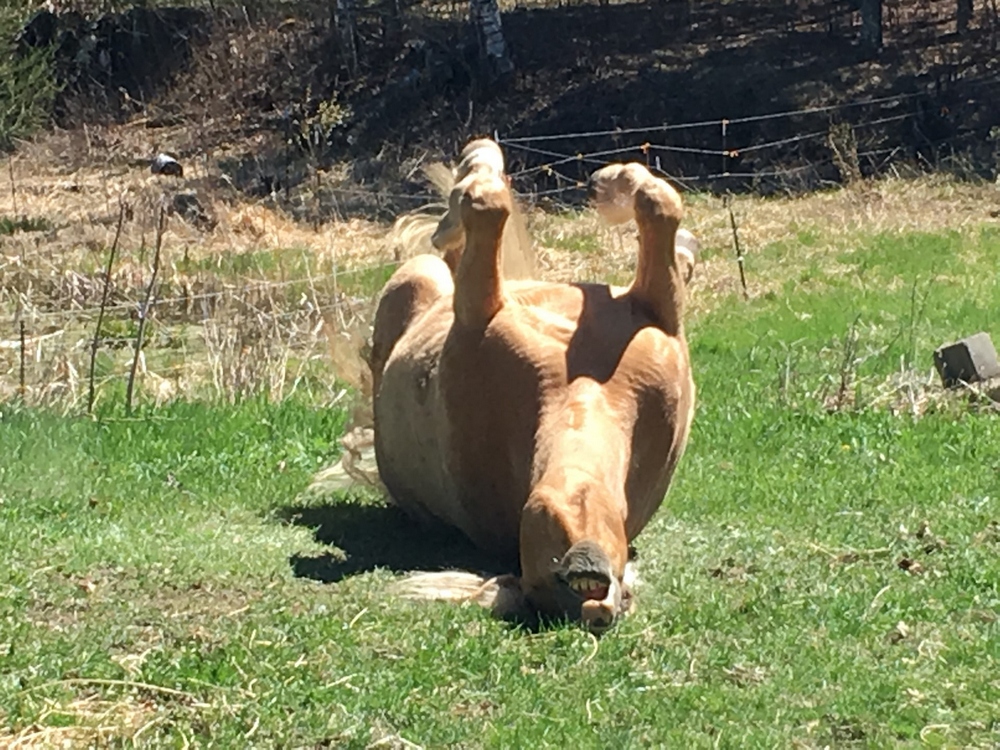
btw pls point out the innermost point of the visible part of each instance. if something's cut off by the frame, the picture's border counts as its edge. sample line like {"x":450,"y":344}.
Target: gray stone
{"x":166,"y":164}
{"x":970,"y":360}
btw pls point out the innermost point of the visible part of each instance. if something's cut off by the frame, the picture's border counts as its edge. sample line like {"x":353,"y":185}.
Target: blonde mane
{"x":411,"y":233}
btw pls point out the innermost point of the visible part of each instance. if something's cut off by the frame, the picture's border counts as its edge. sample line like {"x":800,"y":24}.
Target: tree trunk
{"x":871,"y":25}
{"x":993,"y":26}
{"x":964,"y":16}
{"x":343,"y":16}
{"x":485,"y":15}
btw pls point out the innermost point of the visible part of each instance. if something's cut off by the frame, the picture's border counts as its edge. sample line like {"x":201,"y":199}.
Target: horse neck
{"x":581,"y":474}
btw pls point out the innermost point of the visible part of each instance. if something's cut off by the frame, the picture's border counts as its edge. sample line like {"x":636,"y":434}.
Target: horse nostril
{"x":596,"y":615}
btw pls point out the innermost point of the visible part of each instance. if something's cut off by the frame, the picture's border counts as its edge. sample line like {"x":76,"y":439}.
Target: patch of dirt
{"x":68,"y":602}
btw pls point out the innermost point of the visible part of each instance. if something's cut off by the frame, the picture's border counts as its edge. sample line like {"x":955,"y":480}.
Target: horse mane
{"x":501,"y":595}
{"x":411,"y":233}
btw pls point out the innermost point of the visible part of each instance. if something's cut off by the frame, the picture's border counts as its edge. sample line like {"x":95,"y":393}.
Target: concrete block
{"x":971,"y":360}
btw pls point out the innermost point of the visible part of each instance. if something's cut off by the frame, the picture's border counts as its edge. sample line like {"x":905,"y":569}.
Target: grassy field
{"x":825,"y":571}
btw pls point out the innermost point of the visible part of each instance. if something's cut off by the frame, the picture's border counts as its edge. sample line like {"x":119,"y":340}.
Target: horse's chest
{"x":492,"y":399}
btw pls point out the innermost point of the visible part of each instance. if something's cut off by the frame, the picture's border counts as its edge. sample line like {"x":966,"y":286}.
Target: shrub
{"x":27,"y":82}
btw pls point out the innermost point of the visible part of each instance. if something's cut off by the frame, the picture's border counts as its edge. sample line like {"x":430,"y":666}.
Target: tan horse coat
{"x":543,"y":420}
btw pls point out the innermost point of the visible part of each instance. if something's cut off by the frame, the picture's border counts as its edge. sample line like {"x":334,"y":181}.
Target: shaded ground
{"x":366,"y":537}
{"x":275,"y":94}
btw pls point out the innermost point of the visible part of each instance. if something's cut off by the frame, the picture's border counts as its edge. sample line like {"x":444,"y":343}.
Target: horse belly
{"x":492,"y":397}
{"x":409,"y":444}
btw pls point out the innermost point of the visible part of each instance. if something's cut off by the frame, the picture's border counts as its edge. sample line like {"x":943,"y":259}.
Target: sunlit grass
{"x":817,"y":577}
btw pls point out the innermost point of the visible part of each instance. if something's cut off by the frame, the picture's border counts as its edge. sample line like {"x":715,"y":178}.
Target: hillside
{"x":264,"y":93}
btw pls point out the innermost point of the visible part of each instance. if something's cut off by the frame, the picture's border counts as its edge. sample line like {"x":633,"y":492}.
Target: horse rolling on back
{"x":543,"y":420}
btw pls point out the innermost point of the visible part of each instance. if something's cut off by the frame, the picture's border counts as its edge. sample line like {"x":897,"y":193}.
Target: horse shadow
{"x":365,"y":536}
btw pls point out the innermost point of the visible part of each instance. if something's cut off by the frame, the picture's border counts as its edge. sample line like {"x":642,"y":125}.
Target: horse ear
{"x":685,"y":263}
{"x":630,"y":580}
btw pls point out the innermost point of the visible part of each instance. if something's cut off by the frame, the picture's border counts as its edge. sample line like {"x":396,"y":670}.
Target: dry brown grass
{"x":837,"y":219}
{"x":81,"y":197}
{"x":90,"y":721}
{"x":259,"y":322}
{"x":917,"y":393}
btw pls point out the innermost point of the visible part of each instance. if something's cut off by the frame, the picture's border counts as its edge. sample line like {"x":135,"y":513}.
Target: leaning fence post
{"x":144,"y":310}
{"x":736,"y":244}
{"x":104,"y":302}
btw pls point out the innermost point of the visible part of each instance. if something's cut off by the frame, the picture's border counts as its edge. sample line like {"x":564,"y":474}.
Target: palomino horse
{"x":543,"y":420}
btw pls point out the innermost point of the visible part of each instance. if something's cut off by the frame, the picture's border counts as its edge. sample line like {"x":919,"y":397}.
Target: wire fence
{"x":148,"y":344}
{"x":740,"y":153}
{"x":74,"y":337}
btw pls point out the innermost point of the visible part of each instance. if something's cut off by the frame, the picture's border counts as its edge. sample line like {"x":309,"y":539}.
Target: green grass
{"x":583,"y":243}
{"x":27,"y":84}
{"x":367,"y":282}
{"x":9,"y":226}
{"x":176,"y":553}
{"x":279,"y":264}
{"x":272,"y":264}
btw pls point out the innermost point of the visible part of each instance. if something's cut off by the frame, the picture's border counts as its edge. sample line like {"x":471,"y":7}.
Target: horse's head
{"x":574,"y":556}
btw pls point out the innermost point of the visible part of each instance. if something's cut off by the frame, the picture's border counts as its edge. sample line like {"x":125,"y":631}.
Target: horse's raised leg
{"x":485,"y":207}
{"x":659,"y":280}
{"x":621,"y":192}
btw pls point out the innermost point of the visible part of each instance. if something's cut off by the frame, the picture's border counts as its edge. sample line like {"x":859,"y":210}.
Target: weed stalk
{"x":13,"y":183}
{"x":104,"y":303}
{"x":144,"y":310}
{"x":21,"y":385}
{"x":848,"y":365}
{"x":916,"y":315}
